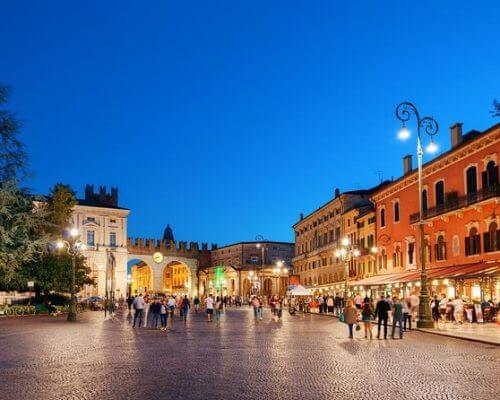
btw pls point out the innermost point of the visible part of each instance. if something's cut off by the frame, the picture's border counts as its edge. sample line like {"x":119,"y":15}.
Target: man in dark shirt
{"x":382,"y":314}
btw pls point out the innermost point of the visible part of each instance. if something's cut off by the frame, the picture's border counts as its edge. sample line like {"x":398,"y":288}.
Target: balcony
{"x":454,"y":202}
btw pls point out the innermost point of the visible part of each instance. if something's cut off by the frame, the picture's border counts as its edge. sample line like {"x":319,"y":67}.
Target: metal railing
{"x":453,"y":203}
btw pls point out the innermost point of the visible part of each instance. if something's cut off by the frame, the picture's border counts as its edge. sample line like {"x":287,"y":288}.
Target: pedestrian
{"x":278,"y":309}
{"x":397,"y":317}
{"x":366,"y":316}
{"x":443,"y":305}
{"x":255,"y":304}
{"x":261,"y":309}
{"x":163,"y":315}
{"x":382,"y":313}
{"x":130,"y":301}
{"x":178,"y":304}
{"x":350,"y":317}
{"x":272,"y":303}
{"x":139,"y":308}
{"x":196,"y":303}
{"x":414,"y":303}
{"x":329,"y":304}
{"x":219,"y":306}
{"x":155,"y":310}
{"x":209,"y":306}
{"x":435,"y":309}
{"x":185,"y":307}
{"x":406,"y":313}
{"x":458,"y":310}
{"x":337,"y":305}
{"x":358,"y":301}
{"x":171,"y":308}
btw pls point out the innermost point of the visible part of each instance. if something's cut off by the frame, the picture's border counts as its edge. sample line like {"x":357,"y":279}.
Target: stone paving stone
{"x":303,"y":357}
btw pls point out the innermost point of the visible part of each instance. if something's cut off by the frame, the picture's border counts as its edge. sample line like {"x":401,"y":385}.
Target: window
{"x":440,"y":249}
{"x":471,"y":180}
{"x":112,"y":239}
{"x":90,"y":219}
{"x":396,"y":257}
{"x":472,"y":242}
{"x":439,"y":188}
{"x":411,"y":253}
{"x":90,"y":238}
{"x":382,"y":217}
{"x":490,"y":176}
{"x":254,"y":259}
{"x":427,"y":251}
{"x":112,"y":221}
{"x":396,"y":211}
{"x":424,"y":199}
{"x":492,"y":238}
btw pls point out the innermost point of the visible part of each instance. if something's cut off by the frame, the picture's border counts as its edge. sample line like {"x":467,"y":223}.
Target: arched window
{"x":424,"y":199}
{"x":472,"y":242}
{"x":440,"y":248}
{"x":382,"y":217}
{"x":490,"y":176}
{"x":439,"y":189}
{"x":471,"y":180}
{"x":396,"y":257}
{"x":396,"y":211}
{"x":492,"y":238}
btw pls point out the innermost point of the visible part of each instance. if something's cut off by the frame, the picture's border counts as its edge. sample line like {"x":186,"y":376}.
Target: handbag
{"x":341,"y":317}
{"x":358,"y":327}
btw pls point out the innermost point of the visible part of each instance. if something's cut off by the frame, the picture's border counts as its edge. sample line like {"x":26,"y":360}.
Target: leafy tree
{"x":22,"y":231}
{"x":12,"y":154}
{"x":59,"y":208}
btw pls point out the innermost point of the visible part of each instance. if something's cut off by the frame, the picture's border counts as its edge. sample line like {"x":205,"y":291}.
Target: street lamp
{"x":346,"y":253}
{"x":74,"y":246}
{"x":261,"y":246}
{"x":404,"y":112}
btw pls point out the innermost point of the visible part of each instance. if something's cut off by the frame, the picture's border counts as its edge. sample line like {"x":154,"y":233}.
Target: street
{"x":301,"y":357}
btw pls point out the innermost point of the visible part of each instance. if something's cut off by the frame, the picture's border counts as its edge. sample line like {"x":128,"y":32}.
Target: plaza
{"x":302,"y":357}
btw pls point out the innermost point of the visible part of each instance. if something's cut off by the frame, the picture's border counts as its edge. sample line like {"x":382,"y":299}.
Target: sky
{"x":226,"y":119}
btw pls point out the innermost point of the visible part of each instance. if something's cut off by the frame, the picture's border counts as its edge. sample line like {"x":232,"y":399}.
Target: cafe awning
{"x":465,"y":271}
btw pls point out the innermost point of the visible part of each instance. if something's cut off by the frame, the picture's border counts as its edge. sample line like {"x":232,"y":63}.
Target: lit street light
{"x":278,"y":271}
{"x":404,"y":111}
{"x":346,"y":253}
{"x":74,"y":246}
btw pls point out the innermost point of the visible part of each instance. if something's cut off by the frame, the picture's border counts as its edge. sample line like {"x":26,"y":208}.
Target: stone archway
{"x":141,"y":277}
{"x":176,"y":278}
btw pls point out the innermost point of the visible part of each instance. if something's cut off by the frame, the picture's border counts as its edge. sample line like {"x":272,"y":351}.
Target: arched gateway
{"x":158,"y":266}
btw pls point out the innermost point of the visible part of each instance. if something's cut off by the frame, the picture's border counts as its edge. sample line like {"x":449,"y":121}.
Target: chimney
{"x":301,"y":216}
{"x":456,"y":134}
{"x":407,"y":164}
{"x":337,"y":192}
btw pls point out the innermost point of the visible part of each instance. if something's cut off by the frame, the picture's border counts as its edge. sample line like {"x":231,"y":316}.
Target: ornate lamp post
{"x":404,"y":112}
{"x":346,"y":253}
{"x":261,"y":246}
{"x":74,"y":246}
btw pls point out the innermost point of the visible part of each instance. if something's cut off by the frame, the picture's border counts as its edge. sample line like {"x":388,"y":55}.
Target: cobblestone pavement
{"x":303,"y":357}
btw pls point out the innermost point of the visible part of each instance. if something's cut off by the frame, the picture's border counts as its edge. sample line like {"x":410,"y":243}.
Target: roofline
{"x":253,"y":242}
{"x":441,"y":156}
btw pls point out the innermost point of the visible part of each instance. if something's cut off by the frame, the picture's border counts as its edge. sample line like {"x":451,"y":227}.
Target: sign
{"x":294,"y":280}
{"x":479,"y":313}
{"x":31,"y":284}
{"x":219,"y":277}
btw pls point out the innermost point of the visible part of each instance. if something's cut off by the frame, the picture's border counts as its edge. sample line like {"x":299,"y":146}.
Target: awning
{"x":464,"y":271}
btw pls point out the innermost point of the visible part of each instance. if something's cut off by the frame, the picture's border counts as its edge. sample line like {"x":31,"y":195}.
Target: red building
{"x":461,"y":198}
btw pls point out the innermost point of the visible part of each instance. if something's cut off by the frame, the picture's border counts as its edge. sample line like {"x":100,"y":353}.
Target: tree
{"x":22,"y":231}
{"x":12,"y":154}
{"x":496,"y":108}
{"x":59,"y":207}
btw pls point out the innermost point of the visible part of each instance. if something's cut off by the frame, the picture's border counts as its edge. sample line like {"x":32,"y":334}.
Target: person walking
{"x":219,"y":307}
{"x":358,"y":301}
{"x":337,"y":305}
{"x":171,"y":308}
{"x":414,"y":303}
{"x":406,"y":313}
{"x":382,"y":313}
{"x":196,"y":303}
{"x":321,"y":302}
{"x":130,"y":301}
{"x":155,"y":310}
{"x":458,"y":310}
{"x":209,"y":306}
{"x":435,"y":309}
{"x":397,"y":317}
{"x":350,"y":317}
{"x":139,"y":308}
{"x":163,"y":315}
{"x":261,"y":308}
{"x":255,"y":304}
{"x":366,"y":317}
{"x":186,"y":305}
{"x":278,"y":309}
{"x":443,"y":304}
{"x":329,"y":304}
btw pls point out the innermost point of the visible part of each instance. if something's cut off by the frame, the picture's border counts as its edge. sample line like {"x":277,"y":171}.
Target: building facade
{"x":461,"y":200}
{"x":102,"y":226}
{"x":318,"y":236}
{"x":248,"y":268}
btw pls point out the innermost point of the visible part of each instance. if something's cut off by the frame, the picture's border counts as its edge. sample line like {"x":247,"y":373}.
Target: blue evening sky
{"x":227,"y":119}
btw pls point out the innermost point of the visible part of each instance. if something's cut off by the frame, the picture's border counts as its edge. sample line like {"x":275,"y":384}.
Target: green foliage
{"x":12,"y":155}
{"x":59,"y":208}
{"x":52,"y":272}
{"x":22,"y":231}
